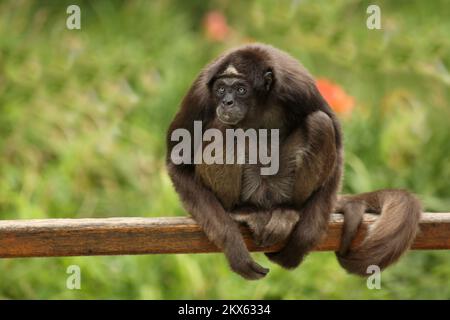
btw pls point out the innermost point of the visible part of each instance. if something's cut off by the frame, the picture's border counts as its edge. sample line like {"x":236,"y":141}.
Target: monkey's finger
{"x":250,"y":270}
{"x":259,"y":269}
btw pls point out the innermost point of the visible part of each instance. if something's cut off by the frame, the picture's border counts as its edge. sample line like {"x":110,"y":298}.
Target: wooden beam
{"x":117,"y":236}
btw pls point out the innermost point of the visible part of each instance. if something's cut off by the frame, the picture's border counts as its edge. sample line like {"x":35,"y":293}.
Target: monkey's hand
{"x":217,"y":224}
{"x":279,"y":227}
{"x":239,"y":258}
{"x":269,"y":227}
{"x":242,"y":263}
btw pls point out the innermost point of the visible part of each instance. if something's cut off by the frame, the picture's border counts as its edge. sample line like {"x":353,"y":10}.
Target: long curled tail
{"x":388,"y":238}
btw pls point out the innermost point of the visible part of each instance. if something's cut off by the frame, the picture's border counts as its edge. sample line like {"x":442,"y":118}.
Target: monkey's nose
{"x":227,"y":102}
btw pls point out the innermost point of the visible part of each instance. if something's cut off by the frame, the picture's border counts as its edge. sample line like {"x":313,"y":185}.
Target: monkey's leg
{"x":275,"y":225}
{"x":309,"y":230}
{"x":317,"y":182}
{"x":215,"y":222}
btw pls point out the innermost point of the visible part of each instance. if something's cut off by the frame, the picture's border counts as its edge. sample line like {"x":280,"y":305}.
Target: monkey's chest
{"x":245,"y":184}
{"x":265,"y":190}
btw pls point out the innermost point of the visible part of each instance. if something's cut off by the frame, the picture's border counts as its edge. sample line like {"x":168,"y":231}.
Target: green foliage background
{"x":83,"y":115}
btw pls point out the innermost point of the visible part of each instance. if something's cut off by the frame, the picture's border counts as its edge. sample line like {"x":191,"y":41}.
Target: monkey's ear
{"x":268,"y":79}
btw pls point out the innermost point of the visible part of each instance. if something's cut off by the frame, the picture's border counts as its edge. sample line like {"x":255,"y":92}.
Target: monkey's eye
{"x":242,"y":90}
{"x":220,"y":90}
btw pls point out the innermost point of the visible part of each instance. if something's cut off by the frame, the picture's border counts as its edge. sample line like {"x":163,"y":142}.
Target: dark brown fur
{"x":295,"y":203}
{"x":389,"y":237}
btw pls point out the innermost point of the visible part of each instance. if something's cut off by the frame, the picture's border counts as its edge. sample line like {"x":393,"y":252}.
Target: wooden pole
{"x":117,"y":236}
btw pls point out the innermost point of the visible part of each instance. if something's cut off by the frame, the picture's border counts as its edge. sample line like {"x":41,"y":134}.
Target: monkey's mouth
{"x":228,"y":117}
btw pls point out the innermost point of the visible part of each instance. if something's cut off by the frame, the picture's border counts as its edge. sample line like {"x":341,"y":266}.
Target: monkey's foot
{"x":279,"y":227}
{"x":256,"y":221}
{"x":269,"y":228}
{"x":284,"y":260}
{"x":288,"y":257}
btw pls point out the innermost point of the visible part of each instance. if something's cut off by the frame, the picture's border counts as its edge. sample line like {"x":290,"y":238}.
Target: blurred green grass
{"x":83,"y":115}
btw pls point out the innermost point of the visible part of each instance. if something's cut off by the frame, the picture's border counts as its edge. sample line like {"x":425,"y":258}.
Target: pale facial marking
{"x":231,"y":70}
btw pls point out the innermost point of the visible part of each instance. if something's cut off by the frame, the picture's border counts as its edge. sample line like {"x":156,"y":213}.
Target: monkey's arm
{"x":316,"y":184}
{"x":217,"y":224}
{"x":307,"y":156}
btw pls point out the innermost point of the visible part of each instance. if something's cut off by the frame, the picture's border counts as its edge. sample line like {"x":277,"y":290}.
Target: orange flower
{"x":215,"y":26}
{"x":335,"y":96}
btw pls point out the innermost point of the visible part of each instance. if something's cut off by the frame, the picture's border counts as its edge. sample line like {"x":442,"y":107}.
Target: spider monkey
{"x":258,"y":86}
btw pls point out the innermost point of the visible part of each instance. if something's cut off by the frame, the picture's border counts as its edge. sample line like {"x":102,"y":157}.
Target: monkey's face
{"x":234,"y":98}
